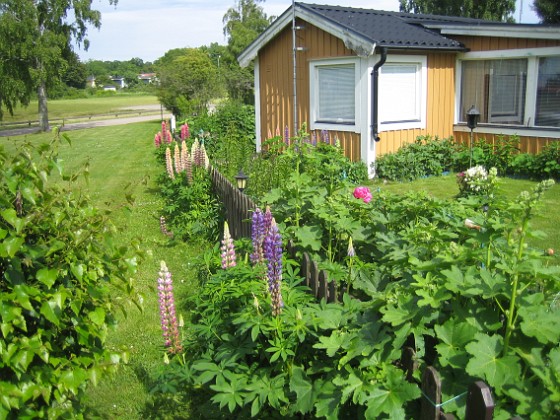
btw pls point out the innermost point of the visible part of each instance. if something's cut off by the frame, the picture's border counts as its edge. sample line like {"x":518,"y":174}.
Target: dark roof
{"x":391,"y":29}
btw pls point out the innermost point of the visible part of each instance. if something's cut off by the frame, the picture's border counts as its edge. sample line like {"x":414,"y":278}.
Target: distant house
{"x":119,"y":81}
{"x":147,"y":78}
{"x":90,"y":82}
{"x":364,"y":75}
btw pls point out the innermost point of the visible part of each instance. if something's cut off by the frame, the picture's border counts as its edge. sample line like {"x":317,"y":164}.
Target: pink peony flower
{"x":363,"y":193}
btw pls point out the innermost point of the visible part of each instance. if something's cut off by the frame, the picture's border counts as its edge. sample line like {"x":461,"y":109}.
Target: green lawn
{"x":547,"y":217}
{"x":66,"y":108}
{"x":121,"y":162}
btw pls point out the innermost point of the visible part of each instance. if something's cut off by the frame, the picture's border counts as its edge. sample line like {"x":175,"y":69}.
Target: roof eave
{"x":362,"y":46}
{"x":499,"y":30}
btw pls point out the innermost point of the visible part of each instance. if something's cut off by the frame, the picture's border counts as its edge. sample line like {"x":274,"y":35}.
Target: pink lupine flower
{"x":157,"y":139}
{"x":163,"y":227}
{"x":169,"y":163}
{"x":228,"y":249}
{"x":363,"y":193}
{"x":169,"y":322}
{"x":185,"y":132}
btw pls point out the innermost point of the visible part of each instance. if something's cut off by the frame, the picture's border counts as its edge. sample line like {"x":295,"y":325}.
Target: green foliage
{"x":547,"y":10}
{"x":191,"y":210}
{"x":62,"y":281}
{"x":426,"y":156}
{"x":496,"y":10}
{"x":188,"y":80}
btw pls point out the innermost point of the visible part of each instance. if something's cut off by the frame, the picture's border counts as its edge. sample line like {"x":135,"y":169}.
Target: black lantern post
{"x":241,"y":179}
{"x":472,"y":120}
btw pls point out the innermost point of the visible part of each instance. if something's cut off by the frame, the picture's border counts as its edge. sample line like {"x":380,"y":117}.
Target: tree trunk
{"x":43,"y":111}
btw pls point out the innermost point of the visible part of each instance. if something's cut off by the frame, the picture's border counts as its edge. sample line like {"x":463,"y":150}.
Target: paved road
{"x":88,"y":124}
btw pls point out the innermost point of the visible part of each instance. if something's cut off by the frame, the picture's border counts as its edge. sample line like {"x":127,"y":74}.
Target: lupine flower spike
{"x":169,"y":163}
{"x":273,"y":255}
{"x":169,"y":322}
{"x":163,"y":227}
{"x":228,"y":249}
{"x":257,"y":236}
{"x":185,"y":132}
{"x":177,"y":159}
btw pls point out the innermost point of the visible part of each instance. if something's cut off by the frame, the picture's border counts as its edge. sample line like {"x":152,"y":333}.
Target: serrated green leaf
{"x":331,"y":344}
{"x":486,"y":361}
{"x":453,"y":336}
{"x":309,"y":237}
{"x":540,"y":322}
{"x":303,"y":387}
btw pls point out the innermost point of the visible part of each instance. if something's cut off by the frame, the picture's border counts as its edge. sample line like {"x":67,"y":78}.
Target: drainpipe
{"x":375,"y":94}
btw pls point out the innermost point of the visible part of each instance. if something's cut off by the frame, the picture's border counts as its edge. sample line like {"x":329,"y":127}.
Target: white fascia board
{"x":531,"y":32}
{"x":360,"y":45}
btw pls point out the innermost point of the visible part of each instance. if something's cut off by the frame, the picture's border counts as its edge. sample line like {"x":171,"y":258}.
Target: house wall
{"x":276,"y":88}
{"x":528,"y":144}
{"x":276,"y":82}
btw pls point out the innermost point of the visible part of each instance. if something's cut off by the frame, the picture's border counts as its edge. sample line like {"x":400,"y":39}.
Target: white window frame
{"x":314,"y":94}
{"x":420,"y":94}
{"x":528,"y":127}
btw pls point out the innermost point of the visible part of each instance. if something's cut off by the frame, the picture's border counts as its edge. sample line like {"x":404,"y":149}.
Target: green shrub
{"x":62,"y":279}
{"x":424,"y":157}
{"x":547,"y":162}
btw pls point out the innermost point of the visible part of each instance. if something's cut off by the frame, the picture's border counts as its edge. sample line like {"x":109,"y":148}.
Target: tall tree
{"x":547,"y":10}
{"x":496,"y":10}
{"x":242,"y":24}
{"x":35,"y":60}
{"x":188,"y":80}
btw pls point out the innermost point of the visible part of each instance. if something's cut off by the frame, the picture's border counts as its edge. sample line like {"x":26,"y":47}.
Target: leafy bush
{"x":424,"y":157}
{"x":547,"y":162}
{"x":62,"y":278}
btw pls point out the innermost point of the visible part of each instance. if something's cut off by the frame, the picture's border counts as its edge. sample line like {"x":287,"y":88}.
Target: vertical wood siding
{"x":527,"y":144}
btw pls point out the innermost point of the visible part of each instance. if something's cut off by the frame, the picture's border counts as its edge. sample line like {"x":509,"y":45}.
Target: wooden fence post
{"x":480,"y":405}
{"x":431,"y":389}
{"x":306,"y":267}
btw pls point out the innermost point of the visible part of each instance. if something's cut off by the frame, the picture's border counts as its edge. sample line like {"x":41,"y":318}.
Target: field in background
{"x":68,"y":108}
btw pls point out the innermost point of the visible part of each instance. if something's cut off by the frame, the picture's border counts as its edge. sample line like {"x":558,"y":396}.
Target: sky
{"x":147,"y":29}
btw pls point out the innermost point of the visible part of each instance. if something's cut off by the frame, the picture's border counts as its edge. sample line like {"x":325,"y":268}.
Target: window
{"x":334,"y":94}
{"x":497,"y":88}
{"x":402,"y":93}
{"x":548,"y":92}
{"x":511,"y":87}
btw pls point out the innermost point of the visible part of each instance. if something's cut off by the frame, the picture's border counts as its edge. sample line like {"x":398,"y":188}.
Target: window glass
{"x":497,"y":88}
{"x":336,"y":94}
{"x":399,"y":93}
{"x":548,"y":92}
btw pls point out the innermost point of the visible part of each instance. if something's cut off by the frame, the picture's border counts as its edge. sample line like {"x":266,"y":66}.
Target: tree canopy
{"x":495,"y":10}
{"x":188,"y":80}
{"x":548,"y":11}
{"x":35,"y":45}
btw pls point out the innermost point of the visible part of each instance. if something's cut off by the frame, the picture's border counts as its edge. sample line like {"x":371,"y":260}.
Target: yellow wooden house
{"x":376,"y":80}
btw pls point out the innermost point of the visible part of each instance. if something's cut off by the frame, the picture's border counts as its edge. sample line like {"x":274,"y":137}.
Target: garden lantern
{"x":472,"y":120}
{"x":241,"y":179}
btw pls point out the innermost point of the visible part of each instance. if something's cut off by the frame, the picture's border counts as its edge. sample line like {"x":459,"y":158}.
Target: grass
{"x":121,"y":162}
{"x":66,"y":108}
{"x":547,"y":218}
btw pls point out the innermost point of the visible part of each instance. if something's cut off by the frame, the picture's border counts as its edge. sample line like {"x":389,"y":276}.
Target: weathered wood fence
{"x":238,"y":207}
{"x":238,"y":213}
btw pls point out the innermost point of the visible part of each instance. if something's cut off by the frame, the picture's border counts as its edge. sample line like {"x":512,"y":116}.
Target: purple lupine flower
{"x":314,"y":138}
{"x":287,"y":136}
{"x":169,"y":163}
{"x":272,"y":247}
{"x":228,"y":249}
{"x":257,"y":235}
{"x":169,"y":322}
{"x":351,"y":252}
{"x":325,"y":136}
{"x":185,"y":132}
